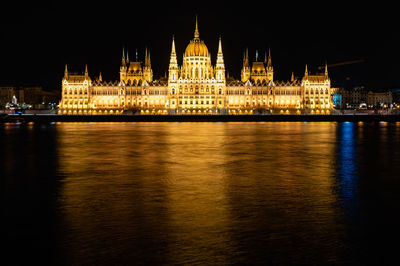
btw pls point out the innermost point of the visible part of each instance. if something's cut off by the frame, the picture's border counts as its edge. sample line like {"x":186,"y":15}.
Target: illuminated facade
{"x":195,"y":87}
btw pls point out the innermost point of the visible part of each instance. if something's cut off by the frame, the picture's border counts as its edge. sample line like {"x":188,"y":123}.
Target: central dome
{"x":196,"y":47}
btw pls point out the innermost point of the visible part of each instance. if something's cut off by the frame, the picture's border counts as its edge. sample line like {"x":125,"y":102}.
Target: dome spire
{"x":196,"y":31}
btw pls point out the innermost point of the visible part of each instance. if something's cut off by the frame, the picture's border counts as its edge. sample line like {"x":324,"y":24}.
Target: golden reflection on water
{"x":187,"y":191}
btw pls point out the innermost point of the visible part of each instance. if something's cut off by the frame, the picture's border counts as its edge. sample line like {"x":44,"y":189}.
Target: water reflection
{"x":347,"y":160}
{"x":202,"y":193}
{"x":216,"y":189}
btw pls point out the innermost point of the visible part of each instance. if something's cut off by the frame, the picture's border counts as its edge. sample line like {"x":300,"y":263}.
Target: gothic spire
{"x":326,"y":69}
{"x":219,"y":46}
{"x":123,"y":56}
{"x":220,"y":56}
{"x":269,"y":64}
{"x":145,"y":57}
{"x":265,"y":58}
{"x":247,"y":57}
{"x":66,"y":71}
{"x":173,"y":52}
{"x":173,"y":60}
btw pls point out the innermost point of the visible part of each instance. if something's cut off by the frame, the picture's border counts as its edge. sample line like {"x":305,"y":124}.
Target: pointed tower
{"x":265,"y":58}
{"x":220,"y":66}
{"x":66,"y":72}
{"x":100,"y":77}
{"x":145,"y":56}
{"x":86,"y":72}
{"x":246,"y":67}
{"x":326,"y":71}
{"x":147,"y":71}
{"x":306,"y":72}
{"x":305,"y":78}
{"x":173,"y":70}
{"x":292,"y":77}
{"x":123,"y":67}
{"x":270,"y":69}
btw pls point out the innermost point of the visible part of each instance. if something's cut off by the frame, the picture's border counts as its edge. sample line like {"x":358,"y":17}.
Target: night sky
{"x":37,"y":40}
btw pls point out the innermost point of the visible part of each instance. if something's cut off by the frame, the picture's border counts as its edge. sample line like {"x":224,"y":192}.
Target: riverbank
{"x":196,"y":118}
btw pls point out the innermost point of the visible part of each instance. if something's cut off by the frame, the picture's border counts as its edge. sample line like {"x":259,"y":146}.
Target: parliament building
{"x":195,"y":87}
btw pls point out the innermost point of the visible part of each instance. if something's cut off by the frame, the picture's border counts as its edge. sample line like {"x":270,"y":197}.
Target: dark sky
{"x":37,"y":40}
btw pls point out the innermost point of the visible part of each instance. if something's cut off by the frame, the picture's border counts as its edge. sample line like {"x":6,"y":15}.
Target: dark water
{"x":200,"y":193}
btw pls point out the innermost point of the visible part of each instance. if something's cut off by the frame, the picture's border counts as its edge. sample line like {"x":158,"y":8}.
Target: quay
{"x":48,"y":118}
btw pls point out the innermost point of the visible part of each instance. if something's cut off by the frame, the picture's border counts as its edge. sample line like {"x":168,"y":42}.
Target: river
{"x":200,"y":193}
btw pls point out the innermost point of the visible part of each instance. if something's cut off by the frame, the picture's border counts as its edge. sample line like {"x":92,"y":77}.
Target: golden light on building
{"x":195,"y":87}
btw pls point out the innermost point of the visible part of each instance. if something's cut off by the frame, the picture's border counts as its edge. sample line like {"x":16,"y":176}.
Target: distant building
{"x":354,"y":97}
{"x":7,"y":93}
{"x":379,"y":99}
{"x":359,"y":98}
{"x":34,"y":96}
